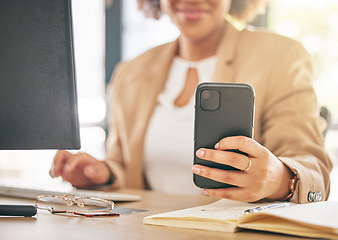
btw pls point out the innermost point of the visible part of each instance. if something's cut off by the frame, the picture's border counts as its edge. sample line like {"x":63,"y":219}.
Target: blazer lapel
{"x":158,"y":74}
{"x":154,"y":76}
{"x":226,"y":53}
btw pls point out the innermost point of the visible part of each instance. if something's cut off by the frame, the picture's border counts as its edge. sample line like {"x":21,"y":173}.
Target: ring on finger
{"x":249,"y":165}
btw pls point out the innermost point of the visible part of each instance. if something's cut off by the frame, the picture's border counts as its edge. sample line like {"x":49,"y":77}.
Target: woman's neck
{"x":195,"y":50}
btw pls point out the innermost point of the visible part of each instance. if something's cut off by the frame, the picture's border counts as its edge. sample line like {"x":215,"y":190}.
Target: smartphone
{"x":221,"y":110}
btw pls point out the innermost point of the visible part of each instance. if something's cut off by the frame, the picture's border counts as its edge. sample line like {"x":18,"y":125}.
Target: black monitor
{"x":38,"y":100}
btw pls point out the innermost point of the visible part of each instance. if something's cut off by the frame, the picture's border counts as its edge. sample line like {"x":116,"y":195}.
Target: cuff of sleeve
{"x":117,"y":176}
{"x":308,"y":180}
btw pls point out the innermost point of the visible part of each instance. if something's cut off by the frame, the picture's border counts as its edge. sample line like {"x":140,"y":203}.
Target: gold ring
{"x":248,"y":166}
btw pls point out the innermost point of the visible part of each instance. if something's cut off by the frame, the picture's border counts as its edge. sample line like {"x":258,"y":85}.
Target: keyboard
{"x":30,"y":192}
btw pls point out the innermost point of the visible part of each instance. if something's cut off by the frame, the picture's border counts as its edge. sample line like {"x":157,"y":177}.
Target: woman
{"x":150,"y":140}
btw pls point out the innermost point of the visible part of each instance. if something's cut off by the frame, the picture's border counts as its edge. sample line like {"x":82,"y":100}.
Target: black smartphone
{"x":221,"y":110}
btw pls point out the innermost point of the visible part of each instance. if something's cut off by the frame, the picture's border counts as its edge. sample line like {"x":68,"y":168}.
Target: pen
{"x":270,"y":206}
{"x":17,"y":210}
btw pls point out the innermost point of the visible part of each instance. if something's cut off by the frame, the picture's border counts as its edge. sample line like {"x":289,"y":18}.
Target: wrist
{"x":282,"y":187}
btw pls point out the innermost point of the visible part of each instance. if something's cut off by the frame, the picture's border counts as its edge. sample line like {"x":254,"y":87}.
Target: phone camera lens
{"x":206,"y":94}
{"x":209,"y":99}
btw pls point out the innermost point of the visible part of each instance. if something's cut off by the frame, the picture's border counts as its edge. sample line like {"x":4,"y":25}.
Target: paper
{"x":319,"y":220}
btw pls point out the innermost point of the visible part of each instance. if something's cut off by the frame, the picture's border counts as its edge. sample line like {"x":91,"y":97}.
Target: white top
{"x":169,"y":147}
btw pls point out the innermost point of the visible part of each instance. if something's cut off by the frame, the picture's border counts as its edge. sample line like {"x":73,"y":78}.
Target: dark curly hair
{"x":240,"y":9}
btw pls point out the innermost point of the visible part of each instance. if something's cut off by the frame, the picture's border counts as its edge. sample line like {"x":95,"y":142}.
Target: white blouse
{"x":169,"y":147}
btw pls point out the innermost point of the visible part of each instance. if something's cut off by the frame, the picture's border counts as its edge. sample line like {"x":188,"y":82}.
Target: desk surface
{"x":47,"y":226}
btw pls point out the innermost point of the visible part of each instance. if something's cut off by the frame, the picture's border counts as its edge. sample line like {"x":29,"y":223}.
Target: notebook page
{"x":222,"y":210}
{"x":323,"y":214}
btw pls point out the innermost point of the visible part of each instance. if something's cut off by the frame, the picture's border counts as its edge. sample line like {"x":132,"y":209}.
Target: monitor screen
{"x":38,"y":102}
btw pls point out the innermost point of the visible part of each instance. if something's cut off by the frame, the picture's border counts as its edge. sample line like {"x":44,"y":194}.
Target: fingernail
{"x":217,"y":146}
{"x":205,"y":191}
{"x":51,"y":173}
{"x":90,"y":170}
{"x":200,"y":153}
{"x":196,"y":170}
{"x":67,"y":168}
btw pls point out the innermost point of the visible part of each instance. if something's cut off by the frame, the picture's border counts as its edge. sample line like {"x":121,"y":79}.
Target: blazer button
{"x":310,"y":196}
{"x":318,"y":196}
{"x":314,"y":196}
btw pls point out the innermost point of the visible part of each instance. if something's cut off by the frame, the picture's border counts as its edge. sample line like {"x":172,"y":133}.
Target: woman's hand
{"x":81,"y":169}
{"x":262,"y":174}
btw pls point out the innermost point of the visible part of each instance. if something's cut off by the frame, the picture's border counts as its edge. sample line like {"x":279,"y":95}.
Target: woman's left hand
{"x":262,"y":174}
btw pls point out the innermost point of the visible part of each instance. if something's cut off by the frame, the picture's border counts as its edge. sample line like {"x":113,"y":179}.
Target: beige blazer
{"x":287,"y":120}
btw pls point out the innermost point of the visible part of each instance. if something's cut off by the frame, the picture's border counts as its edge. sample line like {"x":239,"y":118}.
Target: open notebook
{"x":316,"y":220}
{"x":12,"y":188}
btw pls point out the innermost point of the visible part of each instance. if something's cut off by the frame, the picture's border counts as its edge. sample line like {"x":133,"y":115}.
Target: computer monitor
{"x":38,"y":100}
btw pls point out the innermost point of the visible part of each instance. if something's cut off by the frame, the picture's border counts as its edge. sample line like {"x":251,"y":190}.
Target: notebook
{"x":316,"y":220}
{"x":32,"y":190}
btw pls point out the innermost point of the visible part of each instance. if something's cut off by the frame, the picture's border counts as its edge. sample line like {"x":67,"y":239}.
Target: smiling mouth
{"x":192,"y":14}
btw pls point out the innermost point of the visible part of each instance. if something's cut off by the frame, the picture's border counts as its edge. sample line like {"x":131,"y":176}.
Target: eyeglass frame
{"x":71,"y":202}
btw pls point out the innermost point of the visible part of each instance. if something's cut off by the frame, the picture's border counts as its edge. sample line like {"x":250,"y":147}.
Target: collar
{"x":226,"y":54}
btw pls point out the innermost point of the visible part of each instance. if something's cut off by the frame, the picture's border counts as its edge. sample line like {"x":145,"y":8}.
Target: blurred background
{"x":107,"y":31}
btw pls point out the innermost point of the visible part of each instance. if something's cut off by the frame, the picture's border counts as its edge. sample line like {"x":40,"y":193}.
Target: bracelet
{"x":292,"y":187}
{"x":111,"y":179}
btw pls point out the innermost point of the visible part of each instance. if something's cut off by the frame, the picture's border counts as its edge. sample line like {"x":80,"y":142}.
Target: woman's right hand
{"x":80,"y":169}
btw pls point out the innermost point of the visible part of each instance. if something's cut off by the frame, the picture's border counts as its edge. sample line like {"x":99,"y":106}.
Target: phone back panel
{"x":234,"y":116}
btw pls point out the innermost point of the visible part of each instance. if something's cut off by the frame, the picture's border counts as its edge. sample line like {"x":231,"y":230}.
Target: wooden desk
{"x":46,"y":226}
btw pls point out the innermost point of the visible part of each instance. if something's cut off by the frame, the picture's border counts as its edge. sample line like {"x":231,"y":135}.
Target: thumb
{"x":97,"y":173}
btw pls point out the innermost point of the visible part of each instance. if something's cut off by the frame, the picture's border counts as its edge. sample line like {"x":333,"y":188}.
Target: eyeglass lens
{"x":56,"y":204}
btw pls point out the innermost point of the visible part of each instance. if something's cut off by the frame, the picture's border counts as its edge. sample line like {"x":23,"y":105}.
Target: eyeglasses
{"x":71,"y":204}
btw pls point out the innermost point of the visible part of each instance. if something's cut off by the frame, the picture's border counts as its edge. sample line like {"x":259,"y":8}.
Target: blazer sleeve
{"x":114,"y":154}
{"x":291,"y":123}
